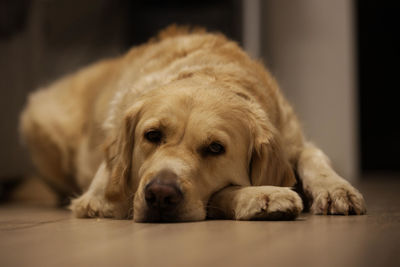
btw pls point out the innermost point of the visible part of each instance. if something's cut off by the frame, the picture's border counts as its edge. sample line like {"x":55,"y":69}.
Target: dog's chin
{"x":151,"y":216}
{"x":160,"y":217}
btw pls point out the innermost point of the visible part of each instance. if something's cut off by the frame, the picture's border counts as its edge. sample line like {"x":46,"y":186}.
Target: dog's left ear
{"x":118,"y":155}
{"x":269,"y":165}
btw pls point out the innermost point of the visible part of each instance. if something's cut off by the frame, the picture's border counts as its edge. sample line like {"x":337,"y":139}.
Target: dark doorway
{"x":378,"y":79}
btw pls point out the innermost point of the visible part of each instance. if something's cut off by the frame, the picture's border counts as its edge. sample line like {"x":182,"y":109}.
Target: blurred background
{"x":336,"y":61}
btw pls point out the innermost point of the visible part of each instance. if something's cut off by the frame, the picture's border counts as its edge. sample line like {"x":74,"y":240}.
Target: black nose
{"x":163,"y":193}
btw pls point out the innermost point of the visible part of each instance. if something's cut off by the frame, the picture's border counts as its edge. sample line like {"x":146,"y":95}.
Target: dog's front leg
{"x":328,"y":192}
{"x":93,"y":202}
{"x":255,"y":203}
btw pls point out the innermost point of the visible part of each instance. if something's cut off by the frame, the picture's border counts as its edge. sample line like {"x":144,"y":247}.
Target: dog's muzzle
{"x":163,"y":197}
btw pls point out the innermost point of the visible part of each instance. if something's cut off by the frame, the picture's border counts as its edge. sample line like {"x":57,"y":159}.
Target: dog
{"x":182,"y":128}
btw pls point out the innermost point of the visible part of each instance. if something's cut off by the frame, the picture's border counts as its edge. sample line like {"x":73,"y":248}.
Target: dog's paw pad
{"x":337,"y":199}
{"x":280,"y":204}
{"x":86,"y":207}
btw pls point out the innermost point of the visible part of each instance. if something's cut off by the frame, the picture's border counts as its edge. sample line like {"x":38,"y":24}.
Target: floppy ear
{"x":269,"y":164}
{"x":118,"y":155}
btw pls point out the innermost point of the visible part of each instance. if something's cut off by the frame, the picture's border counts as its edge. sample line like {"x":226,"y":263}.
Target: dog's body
{"x":177,"y":129}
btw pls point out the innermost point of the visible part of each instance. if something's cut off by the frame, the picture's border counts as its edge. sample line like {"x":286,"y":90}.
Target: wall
{"x":308,"y":45}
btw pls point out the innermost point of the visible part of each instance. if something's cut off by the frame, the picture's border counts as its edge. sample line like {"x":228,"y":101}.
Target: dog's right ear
{"x":118,"y":155}
{"x":268,"y":163}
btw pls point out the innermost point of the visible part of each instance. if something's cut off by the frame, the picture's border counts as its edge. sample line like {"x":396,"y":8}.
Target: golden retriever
{"x":182,"y":128}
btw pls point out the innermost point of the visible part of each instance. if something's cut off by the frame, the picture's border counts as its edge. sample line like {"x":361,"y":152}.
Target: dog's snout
{"x":162,"y":196}
{"x":163,"y":193}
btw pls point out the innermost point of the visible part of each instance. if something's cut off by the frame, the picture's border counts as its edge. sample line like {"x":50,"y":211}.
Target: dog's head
{"x":177,"y":146}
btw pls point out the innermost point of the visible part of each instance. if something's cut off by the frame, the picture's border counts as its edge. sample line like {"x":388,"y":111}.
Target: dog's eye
{"x":215,"y":149}
{"x":153,"y":136}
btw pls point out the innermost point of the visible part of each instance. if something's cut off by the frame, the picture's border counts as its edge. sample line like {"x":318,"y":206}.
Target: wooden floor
{"x":39,"y":236}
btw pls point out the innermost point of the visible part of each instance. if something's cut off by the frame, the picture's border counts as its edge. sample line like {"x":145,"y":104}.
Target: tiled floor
{"x":40,"y":236}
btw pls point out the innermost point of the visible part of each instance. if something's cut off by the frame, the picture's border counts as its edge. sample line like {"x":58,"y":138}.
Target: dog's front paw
{"x":87,"y":206}
{"x":268,"y":203}
{"x":336,"y":196}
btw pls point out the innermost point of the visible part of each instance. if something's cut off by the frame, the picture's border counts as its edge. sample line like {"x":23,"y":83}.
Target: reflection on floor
{"x":45,"y":236}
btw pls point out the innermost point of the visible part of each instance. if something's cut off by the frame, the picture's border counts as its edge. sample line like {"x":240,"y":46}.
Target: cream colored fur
{"x":86,"y":134}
